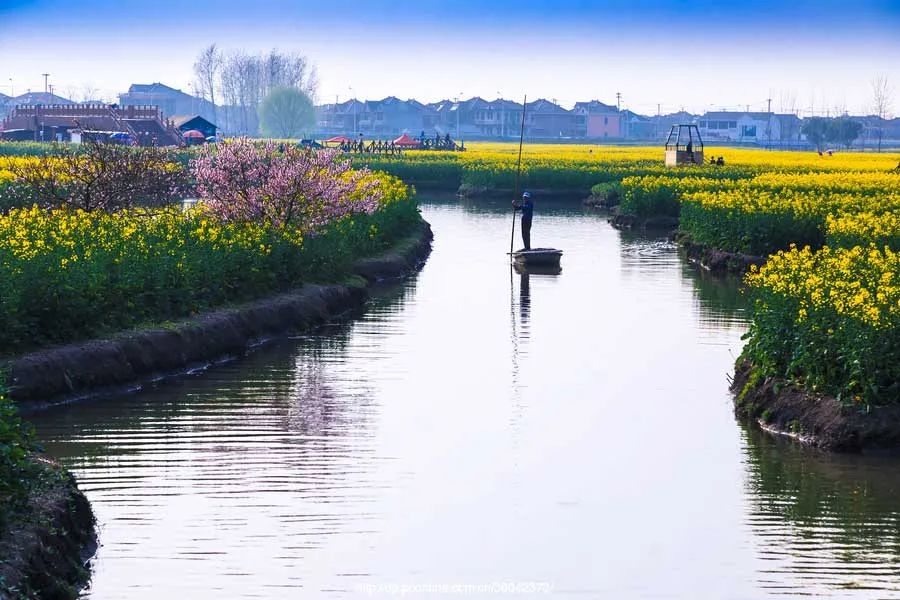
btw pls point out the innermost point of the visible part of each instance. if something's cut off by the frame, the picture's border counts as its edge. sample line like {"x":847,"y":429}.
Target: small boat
{"x":537,"y":257}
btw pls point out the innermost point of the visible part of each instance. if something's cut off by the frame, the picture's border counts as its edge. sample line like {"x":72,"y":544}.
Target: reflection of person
{"x":524,"y":295}
{"x":526,"y":205}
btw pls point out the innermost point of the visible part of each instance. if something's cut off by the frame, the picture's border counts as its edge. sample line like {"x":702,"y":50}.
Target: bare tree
{"x":245,"y":80}
{"x":88,"y":92}
{"x":100,"y":176}
{"x":289,"y":70}
{"x":790,"y":128}
{"x":882,"y":98}
{"x":206,"y":69}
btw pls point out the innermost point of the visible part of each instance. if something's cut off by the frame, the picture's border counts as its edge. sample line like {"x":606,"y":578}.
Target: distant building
{"x":32,"y":98}
{"x":748,"y":127}
{"x":340,"y":117}
{"x":477,"y":117}
{"x":144,"y":125}
{"x":387,"y":117}
{"x":601,"y":120}
{"x":546,"y":119}
{"x":640,"y":127}
{"x":185,"y":123}
{"x":171,"y":101}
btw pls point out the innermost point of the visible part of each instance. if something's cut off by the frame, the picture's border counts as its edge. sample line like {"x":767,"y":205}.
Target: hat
{"x":526,"y":195}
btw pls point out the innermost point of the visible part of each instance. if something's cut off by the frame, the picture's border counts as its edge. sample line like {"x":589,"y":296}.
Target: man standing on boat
{"x":526,"y":205}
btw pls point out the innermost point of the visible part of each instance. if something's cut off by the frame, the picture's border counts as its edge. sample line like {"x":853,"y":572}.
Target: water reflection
{"x":824,"y":523}
{"x":720,"y":300}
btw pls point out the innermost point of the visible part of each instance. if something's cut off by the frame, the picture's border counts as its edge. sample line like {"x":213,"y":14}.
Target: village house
{"x":749,"y":127}
{"x":387,"y":117}
{"x":601,"y":120}
{"x":546,"y":119}
{"x":170,"y":100}
{"x":458,"y":117}
{"x":477,"y":117}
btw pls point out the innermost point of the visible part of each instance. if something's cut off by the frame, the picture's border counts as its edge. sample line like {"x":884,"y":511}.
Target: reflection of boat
{"x":537,"y":257}
{"x":524,"y":269}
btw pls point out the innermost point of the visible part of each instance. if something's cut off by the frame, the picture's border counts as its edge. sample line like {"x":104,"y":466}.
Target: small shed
{"x":684,"y":146}
{"x":185,"y":123}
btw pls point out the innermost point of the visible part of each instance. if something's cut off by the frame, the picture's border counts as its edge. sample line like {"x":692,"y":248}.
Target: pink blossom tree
{"x":283,"y":186}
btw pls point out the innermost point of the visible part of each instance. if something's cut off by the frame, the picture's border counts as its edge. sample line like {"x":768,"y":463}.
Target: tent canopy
{"x":193,"y":133}
{"x":406,"y":140}
{"x":338,"y":139}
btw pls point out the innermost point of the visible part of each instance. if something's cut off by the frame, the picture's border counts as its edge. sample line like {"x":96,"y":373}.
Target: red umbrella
{"x":338,"y":139}
{"x":193,"y":133}
{"x":405,"y":140}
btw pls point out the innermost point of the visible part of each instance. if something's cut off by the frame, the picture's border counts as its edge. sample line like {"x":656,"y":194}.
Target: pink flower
{"x":283,"y":186}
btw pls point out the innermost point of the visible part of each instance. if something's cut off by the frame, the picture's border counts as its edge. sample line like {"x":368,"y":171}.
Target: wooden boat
{"x":537,"y":257}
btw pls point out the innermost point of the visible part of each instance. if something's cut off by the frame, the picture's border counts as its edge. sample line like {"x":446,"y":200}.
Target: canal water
{"x":480,"y":433}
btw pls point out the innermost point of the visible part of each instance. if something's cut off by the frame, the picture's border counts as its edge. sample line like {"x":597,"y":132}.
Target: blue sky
{"x":696,"y":55}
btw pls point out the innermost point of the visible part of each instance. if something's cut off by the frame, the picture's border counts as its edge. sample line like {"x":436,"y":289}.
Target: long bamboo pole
{"x":512,"y":235}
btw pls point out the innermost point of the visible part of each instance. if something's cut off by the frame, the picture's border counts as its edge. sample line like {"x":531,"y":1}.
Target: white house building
{"x":748,"y":127}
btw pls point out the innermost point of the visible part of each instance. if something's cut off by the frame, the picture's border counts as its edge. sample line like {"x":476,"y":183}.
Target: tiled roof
{"x":155,"y":88}
{"x":545,"y":106}
{"x":180,"y":120}
{"x":40,"y":98}
{"x":595,"y":106}
{"x":727,"y":114}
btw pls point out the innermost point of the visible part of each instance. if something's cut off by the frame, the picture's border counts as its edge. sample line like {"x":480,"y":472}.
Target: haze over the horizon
{"x":697,"y":55}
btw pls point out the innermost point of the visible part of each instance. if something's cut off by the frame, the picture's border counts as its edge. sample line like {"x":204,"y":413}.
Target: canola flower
{"x":830,"y":320}
{"x":848,"y":230}
{"x":66,"y":274}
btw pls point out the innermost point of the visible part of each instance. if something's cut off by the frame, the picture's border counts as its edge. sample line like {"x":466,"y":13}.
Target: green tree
{"x":844,"y":131}
{"x":816,"y":131}
{"x":285,"y":113}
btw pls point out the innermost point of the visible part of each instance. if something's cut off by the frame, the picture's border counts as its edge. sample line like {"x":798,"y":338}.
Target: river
{"x":477,"y":432}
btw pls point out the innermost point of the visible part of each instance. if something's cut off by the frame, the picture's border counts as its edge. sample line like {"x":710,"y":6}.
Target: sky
{"x":812,"y":56}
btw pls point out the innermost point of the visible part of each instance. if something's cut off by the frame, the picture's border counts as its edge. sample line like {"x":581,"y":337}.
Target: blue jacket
{"x":527,"y":208}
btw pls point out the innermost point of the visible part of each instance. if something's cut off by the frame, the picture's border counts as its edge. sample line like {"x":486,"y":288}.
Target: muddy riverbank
{"x":718,"y":261}
{"x":783,"y":408}
{"x":44,"y":554}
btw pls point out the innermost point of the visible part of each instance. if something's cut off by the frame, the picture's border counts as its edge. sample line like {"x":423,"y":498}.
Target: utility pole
{"x":769,"y":126}
{"x":618,"y":101}
{"x":46,"y":75}
{"x":657,"y":120}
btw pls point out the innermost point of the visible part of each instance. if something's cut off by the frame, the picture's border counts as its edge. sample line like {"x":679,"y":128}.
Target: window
{"x":703,"y":124}
{"x":606,"y":120}
{"x":748,"y":131}
{"x":732,"y":124}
